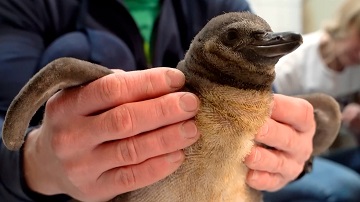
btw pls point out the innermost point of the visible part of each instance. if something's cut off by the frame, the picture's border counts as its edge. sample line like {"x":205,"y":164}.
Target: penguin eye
{"x":231,"y":35}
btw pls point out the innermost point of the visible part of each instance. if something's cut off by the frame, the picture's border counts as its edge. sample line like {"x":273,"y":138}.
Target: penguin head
{"x":244,"y":37}
{"x":241,"y":45}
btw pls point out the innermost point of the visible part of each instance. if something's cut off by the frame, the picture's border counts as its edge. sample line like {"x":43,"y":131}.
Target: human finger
{"x":301,"y":116}
{"x":119,"y":88}
{"x":285,"y":138}
{"x":139,"y":148}
{"x":129,"y":178}
{"x":265,"y":181}
{"x":351,"y":112}
{"x":138,"y":117}
{"x":273,"y":161}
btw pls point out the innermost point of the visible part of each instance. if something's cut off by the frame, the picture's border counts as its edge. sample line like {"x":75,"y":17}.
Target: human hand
{"x":289,"y":132}
{"x":119,"y":133}
{"x":351,"y":117}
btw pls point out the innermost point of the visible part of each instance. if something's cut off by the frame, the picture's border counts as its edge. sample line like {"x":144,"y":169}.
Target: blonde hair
{"x":347,"y":16}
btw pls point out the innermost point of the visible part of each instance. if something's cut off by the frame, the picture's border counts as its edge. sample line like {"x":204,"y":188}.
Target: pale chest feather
{"x":230,"y":110}
{"x":228,"y":120}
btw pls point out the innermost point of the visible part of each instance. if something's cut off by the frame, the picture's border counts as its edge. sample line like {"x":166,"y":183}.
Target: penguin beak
{"x":275,"y":44}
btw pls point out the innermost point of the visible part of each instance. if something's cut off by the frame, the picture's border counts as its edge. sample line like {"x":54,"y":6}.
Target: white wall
{"x":300,"y":16}
{"x":282,"y":15}
{"x":314,"y":17}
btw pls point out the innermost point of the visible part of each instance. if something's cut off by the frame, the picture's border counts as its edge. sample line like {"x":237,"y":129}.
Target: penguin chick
{"x":230,"y":67}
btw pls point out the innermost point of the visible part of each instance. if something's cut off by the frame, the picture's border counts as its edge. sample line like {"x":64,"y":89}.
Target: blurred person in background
{"x":329,"y":62}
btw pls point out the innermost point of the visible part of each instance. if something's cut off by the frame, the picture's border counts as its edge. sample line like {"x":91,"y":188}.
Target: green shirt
{"x":144,"y":12}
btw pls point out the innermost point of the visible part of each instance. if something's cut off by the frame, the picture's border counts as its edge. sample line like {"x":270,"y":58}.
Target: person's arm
{"x":22,"y":29}
{"x":351,"y":119}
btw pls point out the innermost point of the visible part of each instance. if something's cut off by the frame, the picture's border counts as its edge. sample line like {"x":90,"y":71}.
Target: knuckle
{"x":308,"y":151}
{"x":121,"y":119}
{"x":278,"y":184}
{"x":126,"y":178}
{"x":308,"y":110}
{"x":56,"y":143}
{"x":109,"y":87}
{"x":280,"y":164}
{"x":151,"y":83}
{"x":51,"y":107}
{"x":297,"y":171}
{"x":105,"y":92}
{"x":69,"y":171}
{"x":162,"y":142}
{"x":162,"y":107}
{"x":54,"y":106}
{"x":289,"y":140}
{"x":72,"y":172}
{"x":59,"y":144}
{"x":126,"y":152}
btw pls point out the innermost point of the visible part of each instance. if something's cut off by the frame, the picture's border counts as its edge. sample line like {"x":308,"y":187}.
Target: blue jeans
{"x":329,"y":181}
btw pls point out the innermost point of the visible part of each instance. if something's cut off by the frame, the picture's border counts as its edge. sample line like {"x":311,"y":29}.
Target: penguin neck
{"x":245,"y":79}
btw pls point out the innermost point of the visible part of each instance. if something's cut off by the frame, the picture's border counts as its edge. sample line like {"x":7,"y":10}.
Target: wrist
{"x":34,"y":169}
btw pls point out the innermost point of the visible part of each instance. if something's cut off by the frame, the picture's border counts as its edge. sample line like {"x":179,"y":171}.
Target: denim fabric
{"x":347,"y":157}
{"x":328,"y":182}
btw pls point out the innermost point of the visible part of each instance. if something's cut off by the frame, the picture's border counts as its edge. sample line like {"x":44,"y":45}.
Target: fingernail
{"x":188,"y":102}
{"x":175,"y":78}
{"x":189,"y":129}
{"x":175,"y":157}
